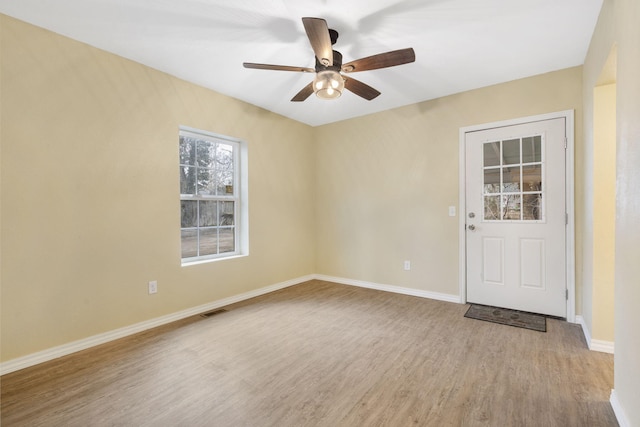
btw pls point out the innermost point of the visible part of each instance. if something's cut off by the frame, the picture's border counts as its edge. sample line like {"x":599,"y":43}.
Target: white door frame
{"x":568,"y":115}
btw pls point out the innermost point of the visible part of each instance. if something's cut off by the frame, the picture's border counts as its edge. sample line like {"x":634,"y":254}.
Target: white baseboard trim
{"x":585,"y":331}
{"x":391,"y":288}
{"x":594,"y":345}
{"x":75,"y":346}
{"x":617,"y":409}
{"x":602,"y":346}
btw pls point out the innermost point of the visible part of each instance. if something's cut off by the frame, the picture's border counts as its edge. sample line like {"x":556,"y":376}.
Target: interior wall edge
{"x":593,"y":344}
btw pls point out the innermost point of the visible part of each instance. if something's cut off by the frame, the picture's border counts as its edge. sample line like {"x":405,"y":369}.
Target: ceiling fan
{"x":329,"y":83}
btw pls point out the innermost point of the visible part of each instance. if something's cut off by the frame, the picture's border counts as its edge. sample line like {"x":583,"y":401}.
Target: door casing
{"x":568,"y":115}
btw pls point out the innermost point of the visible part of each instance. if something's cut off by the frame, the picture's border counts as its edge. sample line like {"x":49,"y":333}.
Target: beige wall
{"x":618,"y":27}
{"x":90,"y":209}
{"x":88,"y":160}
{"x":604,"y":213}
{"x":385,"y":181}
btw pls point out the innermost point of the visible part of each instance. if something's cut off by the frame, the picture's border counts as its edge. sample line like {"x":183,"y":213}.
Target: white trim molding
{"x":568,"y":115}
{"x":594,"y":345}
{"x":391,"y":288}
{"x":85,"y":343}
{"x":621,"y":416}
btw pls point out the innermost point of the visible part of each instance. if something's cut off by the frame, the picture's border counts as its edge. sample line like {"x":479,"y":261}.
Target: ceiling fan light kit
{"x":329,"y":83}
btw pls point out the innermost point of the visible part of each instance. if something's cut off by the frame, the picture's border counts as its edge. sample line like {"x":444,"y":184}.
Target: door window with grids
{"x":209,"y":196}
{"x":513,"y":188}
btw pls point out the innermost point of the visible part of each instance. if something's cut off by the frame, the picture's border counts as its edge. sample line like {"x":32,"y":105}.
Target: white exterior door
{"x":516,"y":217}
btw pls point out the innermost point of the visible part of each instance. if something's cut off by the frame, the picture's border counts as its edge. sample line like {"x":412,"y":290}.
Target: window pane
{"x":532,"y":178}
{"x":532,"y":149}
{"x":226,"y":212}
{"x":187,"y":180}
{"x":511,"y":206}
{"x":189,"y":243}
{"x":208,"y":241}
{"x":206,"y":182}
{"x":492,"y":208}
{"x":188,"y":213}
{"x":227,"y":240}
{"x":224,"y":169}
{"x":491,"y":153}
{"x":511,"y":152}
{"x":208,"y":213}
{"x":492,"y":181}
{"x":511,"y":179}
{"x":206,"y":154}
{"x":532,"y":206}
{"x":225,"y":183}
{"x":224,"y":156}
{"x":187,"y":151}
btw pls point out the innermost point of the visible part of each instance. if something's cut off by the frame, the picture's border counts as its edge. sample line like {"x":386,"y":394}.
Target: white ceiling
{"x":459,"y":44}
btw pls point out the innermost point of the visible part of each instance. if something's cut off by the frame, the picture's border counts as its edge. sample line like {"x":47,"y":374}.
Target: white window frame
{"x":239,"y":196}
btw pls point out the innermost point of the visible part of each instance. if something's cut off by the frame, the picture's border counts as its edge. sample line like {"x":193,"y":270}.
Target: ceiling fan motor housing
{"x":337,"y":63}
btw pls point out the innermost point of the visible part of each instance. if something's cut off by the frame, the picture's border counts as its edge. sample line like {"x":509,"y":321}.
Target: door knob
{"x":472,"y":227}
{"x":472,"y":215}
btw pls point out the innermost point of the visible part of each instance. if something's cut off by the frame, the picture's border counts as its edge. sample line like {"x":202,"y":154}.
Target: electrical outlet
{"x":452,"y":211}
{"x":153,"y":287}
{"x":407,"y":265}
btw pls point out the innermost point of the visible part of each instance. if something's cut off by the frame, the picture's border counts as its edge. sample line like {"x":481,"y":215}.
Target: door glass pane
{"x":532,"y":207}
{"x":512,"y":174}
{"x":511,"y":152}
{"x":492,"y":211}
{"x":532,"y":178}
{"x":532,"y":149}
{"x":511,"y":179}
{"x":492,"y":181}
{"x":491,"y":153}
{"x":511,"y":206}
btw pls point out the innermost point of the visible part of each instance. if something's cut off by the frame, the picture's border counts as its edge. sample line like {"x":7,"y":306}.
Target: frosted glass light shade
{"x":328,"y":84}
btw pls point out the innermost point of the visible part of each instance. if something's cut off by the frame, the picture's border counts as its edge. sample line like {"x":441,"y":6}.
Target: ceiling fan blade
{"x":318,"y":33}
{"x":359,"y":88}
{"x":277,"y":67}
{"x":304,"y":93}
{"x":381,"y":60}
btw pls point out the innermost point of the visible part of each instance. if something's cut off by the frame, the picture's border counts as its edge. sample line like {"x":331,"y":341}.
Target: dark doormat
{"x":505,"y":316}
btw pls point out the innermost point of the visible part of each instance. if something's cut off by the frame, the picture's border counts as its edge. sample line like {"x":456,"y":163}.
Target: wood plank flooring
{"x":323,"y":354}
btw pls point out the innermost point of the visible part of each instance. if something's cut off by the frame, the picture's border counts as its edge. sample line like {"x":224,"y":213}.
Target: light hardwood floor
{"x":323,"y":354}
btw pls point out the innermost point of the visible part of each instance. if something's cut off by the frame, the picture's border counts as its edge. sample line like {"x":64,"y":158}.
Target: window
{"x":513,"y":184}
{"x":210,"y":196}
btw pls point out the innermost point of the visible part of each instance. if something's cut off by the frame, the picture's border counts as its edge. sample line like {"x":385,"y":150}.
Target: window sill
{"x":205,"y":261}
